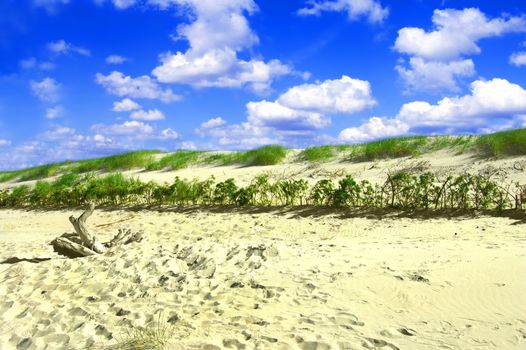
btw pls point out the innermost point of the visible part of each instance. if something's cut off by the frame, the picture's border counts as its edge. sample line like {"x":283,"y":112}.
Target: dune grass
{"x":175,"y":161}
{"x":323,"y":153}
{"x":390,"y":148}
{"x":505,"y":143}
{"x":123,"y":161}
{"x":157,"y":335}
{"x":266,"y":155}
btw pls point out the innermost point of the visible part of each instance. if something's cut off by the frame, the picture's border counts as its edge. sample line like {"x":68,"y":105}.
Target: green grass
{"x":266,"y":155}
{"x":505,"y":143}
{"x":323,"y":153}
{"x":390,"y":148}
{"x":124,"y":161}
{"x":157,"y":335}
{"x":175,"y":161}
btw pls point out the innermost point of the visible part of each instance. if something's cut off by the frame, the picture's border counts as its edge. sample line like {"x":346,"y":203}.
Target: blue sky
{"x":86,"y":78}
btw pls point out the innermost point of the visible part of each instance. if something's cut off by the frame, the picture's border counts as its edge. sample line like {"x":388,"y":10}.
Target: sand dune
{"x":268,"y":280}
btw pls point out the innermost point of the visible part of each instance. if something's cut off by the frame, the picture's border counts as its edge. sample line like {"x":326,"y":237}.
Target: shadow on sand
{"x":318,"y":211}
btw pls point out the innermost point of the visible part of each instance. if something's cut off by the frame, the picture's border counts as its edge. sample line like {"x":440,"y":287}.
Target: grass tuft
{"x":175,"y":161}
{"x":156,"y":335}
{"x":124,"y":161}
{"x":318,"y":153}
{"x":391,"y":148}
{"x":505,"y":143}
{"x":266,"y":155}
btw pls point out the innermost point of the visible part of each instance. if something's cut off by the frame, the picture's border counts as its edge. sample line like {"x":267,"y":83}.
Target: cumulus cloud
{"x":488,"y":99}
{"x":115,"y":59}
{"x":125,"y":105}
{"x":434,"y":76}
{"x":344,"y":95}
{"x":150,"y":115}
{"x":130,"y":128}
{"x":492,"y":105}
{"x":219,"y":31}
{"x":273,"y":114}
{"x":218,"y":68}
{"x":456,"y":33}
{"x":371,"y":9}
{"x":518,"y":58}
{"x":293,"y":116}
{"x":213,"y":123}
{"x":118,"y":84}
{"x":168,"y":134}
{"x":307,"y":106}
{"x":47,"y":90}
{"x":374,"y":128}
{"x":61,"y":47}
{"x":59,"y":132}
{"x":437,"y":56}
{"x":54,"y":112}
{"x":4,"y":142}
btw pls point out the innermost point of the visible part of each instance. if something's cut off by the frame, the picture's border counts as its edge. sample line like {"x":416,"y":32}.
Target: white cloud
{"x":54,"y":112}
{"x":47,"y":90}
{"x":491,"y":106}
{"x":32,"y":63}
{"x":188,"y":145}
{"x":344,"y":95}
{"x":488,"y":99}
{"x":455,"y":33}
{"x":59,"y":132}
{"x":115,"y":59}
{"x":131,"y":131}
{"x":374,"y":128}
{"x":169,"y":134}
{"x":119,"y":4}
{"x":307,"y":106}
{"x":518,"y":58}
{"x":293,"y":117}
{"x":130,"y":128}
{"x":4,"y":142}
{"x":118,"y":84}
{"x":213,"y":123}
{"x":437,"y":61}
{"x":273,"y":114}
{"x":126,"y":105}
{"x":219,"y":31}
{"x":153,"y":114}
{"x":434,"y":75}
{"x":218,"y":68}
{"x":62,"y":47}
{"x":355,"y":9}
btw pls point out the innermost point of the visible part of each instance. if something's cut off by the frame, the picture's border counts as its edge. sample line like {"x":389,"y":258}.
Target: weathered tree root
{"x":83,"y":243}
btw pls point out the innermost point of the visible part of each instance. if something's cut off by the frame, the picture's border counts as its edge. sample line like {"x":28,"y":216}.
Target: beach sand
{"x":276,"y":279}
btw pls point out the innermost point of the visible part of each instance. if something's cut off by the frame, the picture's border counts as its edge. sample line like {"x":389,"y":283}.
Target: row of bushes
{"x":400,"y":190}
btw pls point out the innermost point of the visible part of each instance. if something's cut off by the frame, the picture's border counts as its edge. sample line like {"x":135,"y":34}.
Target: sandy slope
{"x":270,"y":280}
{"x":441,"y":163}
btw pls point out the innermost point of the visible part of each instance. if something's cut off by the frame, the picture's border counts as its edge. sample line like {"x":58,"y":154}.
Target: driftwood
{"x":83,"y":243}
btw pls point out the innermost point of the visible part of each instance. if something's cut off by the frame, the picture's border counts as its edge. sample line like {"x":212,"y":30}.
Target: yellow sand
{"x":272,"y":280}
